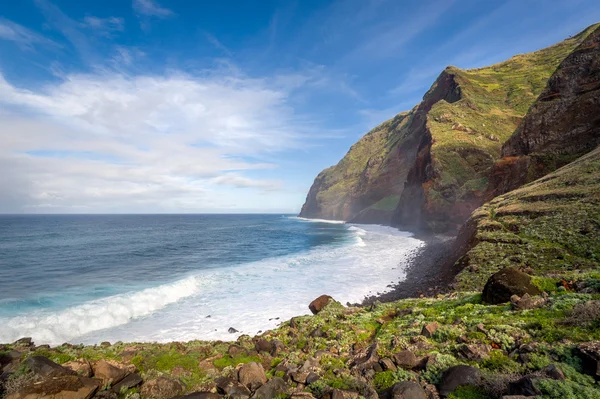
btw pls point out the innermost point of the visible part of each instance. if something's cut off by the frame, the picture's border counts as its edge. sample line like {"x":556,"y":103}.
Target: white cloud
{"x":21,"y":35}
{"x":235,"y":180}
{"x":104,"y":26}
{"x":118,"y":143}
{"x":151,"y":8}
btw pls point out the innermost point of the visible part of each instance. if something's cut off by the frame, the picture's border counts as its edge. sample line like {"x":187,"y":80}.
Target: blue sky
{"x":231,"y":106}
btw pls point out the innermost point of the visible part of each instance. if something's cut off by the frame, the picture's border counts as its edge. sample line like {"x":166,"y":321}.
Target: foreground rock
{"x":59,"y":387}
{"x":318,"y":304}
{"x":161,"y":388}
{"x":501,"y":286}
{"x":590,"y":355}
{"x":252,"y":375}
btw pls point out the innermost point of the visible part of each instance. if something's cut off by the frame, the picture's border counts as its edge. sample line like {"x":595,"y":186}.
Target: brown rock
{"x":430,"y":329}
{"x":231,"y":388}
{"x":59,"y":387}
{"x":318,"y":304}
{"x":407,"y":390}
{"x":236,"y":350}
{"x":81,"y":366}
{"x":252,"y":375}
{"x":108,"y":373}
{"x":161,"y":388}
{"x":387,"y":364}
{"x":526,"y":302}
{"x":405,"y":359}
{"x":200,"y":395}
{"x":457,"y":376}
{"x":131,"y":381}
{"x":44,"y":367}
{"x":475,"y":351}
{"x":275,"y":387}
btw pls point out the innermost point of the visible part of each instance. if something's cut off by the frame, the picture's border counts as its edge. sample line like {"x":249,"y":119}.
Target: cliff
{"x":562,"y":125}
{"x":428,"y":168}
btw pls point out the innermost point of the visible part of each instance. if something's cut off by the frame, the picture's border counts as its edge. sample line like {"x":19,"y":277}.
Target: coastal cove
{"x":92,"y":278}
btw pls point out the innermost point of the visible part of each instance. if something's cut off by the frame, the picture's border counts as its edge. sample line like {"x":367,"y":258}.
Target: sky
{"x":177,"y":106}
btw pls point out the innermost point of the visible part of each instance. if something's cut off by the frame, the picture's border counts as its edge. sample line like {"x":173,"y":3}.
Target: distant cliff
{"x":429,"y":168}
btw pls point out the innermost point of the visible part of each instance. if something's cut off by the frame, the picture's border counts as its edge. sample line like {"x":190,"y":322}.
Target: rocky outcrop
{"x":428,"y":168}
{"x":562,"y":125}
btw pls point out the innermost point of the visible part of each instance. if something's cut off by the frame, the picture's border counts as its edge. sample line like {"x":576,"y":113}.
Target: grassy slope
{"x":495,"y":99}
{"x":551,"y":225}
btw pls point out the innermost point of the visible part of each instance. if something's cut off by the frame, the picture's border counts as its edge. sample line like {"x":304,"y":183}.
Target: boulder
{"x":387,"y":364}
{"x":429,"y":329}
{"x":554,"y":372}
{"x":81,"y":367}
{"x":275,"y":387}
{"x":44,"y":367}
{"x":311,"y":378}
{"x":524,"y":386}
{"x":108,"y":373}
{"x":252,"y":375}
{"x":475,"y":351}
{"x":502,"y":285}
{"x":131,"y":381}
{"x":318,"y":304}
{"x":63,"y":386}
{"x":302,"y":395}
{"x":404,"y":390}
{"x":405,"y":359}
{"x":232,"y":388}
{"x":262,"y":345}
{"x":161,"y":388}
{"x":407,"y":390}
{"x":526,"y":302}
{"x":277,"y":347}
{"x":457,"y":376}
{"x":26,"y":341}
{"x":236,"y":350}
{"x":589,"y":352}
{"x":106,"y":395}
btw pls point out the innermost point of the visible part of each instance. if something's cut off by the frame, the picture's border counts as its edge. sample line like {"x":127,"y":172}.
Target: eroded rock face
{"x":508,"y":282}
{"x":275,"y":387}
{"x":44,"y":367}
{"x":563,"y":124}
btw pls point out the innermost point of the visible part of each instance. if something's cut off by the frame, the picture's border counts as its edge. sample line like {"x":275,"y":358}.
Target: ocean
{"x":136,"y":278}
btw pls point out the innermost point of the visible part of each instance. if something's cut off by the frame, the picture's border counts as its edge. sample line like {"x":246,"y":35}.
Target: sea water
{"x":92,"y":278}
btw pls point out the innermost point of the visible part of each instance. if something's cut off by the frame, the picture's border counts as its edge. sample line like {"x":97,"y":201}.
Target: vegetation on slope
{"x":551,"y":227}
{"x":467,"y":135}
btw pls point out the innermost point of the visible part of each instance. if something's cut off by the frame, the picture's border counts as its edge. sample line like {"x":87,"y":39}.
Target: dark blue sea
{"x":92,"y":278}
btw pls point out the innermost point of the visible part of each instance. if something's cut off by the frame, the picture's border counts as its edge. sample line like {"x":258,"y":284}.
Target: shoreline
{"x":426,"y":275}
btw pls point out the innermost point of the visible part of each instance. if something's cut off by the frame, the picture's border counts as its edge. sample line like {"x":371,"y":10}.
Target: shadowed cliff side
{"x":464,"y":139}
{"x":562,"y":125}
{"x":428,"y":168}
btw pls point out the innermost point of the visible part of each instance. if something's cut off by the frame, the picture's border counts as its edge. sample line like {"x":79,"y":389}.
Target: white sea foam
{"x":250,"y":297}
{"x":317,"y":220}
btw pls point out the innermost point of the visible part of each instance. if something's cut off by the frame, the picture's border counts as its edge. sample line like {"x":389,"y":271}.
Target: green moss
{"x":234,"y":361}
{"x":468,"y":392}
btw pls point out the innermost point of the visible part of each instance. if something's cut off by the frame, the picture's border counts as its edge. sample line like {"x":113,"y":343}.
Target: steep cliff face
{"x":464,"y":139}
{"x":364,"y":187}
{"x":428,"y":168}
{"x":563,"y":124}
